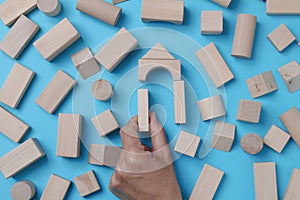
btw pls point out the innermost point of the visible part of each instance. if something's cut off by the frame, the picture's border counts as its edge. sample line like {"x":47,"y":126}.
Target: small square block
{"x":105,"y":123}
{"x":276,"y":138}
{"x":211,"y":22}
{"x":103,"y":155}
{"x":249,"y":111}
{"x":281,"y":37}
{"x":187,"y":143}
{"x":290,"y":73}
{"x":223,"y":136}
{"x":86,"y":183}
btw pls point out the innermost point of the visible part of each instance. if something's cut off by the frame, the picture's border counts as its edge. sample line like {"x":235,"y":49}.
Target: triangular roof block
{"x":158,"y":52}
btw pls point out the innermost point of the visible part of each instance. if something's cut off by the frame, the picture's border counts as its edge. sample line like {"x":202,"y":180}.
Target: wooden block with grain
{"x":187,"y":143}
{"x":118,"y":1}
{"x":293,"y":190}
{"x":276,"y":138}
{"x":223,"y":137}
{"x":252,"y":143}
{"x":23,"y":190}
{"x":105,"y":123}
{"x":104,"y":155}
{"x":143,"y":110}
{"x":179,"y":102}
{"x":55,"y":92}
{"x":281,"y":37}
{"x":211,"y":107}
{"x":290,"y":73}
{"x":56,"y":188}
{"x":49,"y":7}
{"x":249,"y":111}
{"x":211,"y":22}
{"x":224,"y":3}
{"x":102,"y":90}
{"x":87,"y":183}
{"x":278,"y":7}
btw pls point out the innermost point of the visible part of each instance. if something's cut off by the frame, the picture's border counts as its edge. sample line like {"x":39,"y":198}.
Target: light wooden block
{"x":18,"y":37}
{"x":290,"y":73}
{"x":118,"y":1}
{"x":86,"y":183}
{"x":211,"y":107}
{"x":179,"y":102}
{"x":167,"y":11}
{"x":207,"y":183}
{"x":57,"y":39}
{"x":261,"y":84}
{"x":224,"y":3}
{"x":16,"y":85}
{"x":11,"y":126}
{"x":105,"y":123}
{"x":187,"y":143}
{"x":265,"y":181}
{"x":21,"y":157}
{"x":116,"y":49}
{"x":104,"y":155}
{"x":290,"y":120}
{"x":102,"y":90}
{"x":56,"y":188}
{"x":55,"y":92}
{"x":223,"y":137}
{"x":277,"y":7}
{"x":281,"y":37}
{"x":215,"y":65}
{"x":252,"y":143}
{"x":143,"y":110}
{"x":211,"y":22}
{"x":49,"y":7}
{"x":85,"y":63}
{"x":23,"y":190}
{"x":293,"y":190}
{"x":158,"y":52}
{"x":249,"y":111}
{"x":276,"y":138}
{"x":68,"y":136}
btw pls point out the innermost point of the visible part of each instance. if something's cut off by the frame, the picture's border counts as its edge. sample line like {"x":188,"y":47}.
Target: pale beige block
{"x":143,"y":110}
{"x":56,"y":188}
{"x":281,"y":37}
{"x":211,"y":22}
{"x":293,"y":190}
{"x":49,"y":7}
{"x":57,"y":39}
{"x":23,"y":190}
{"x":265,"y":181}
{"x":276,"y":138}
{"x":55,"y":92}
{"x":116,"y":49}
{"x":215,"y":65}
{"x":105,"y":123}
{"x":102,"y":90}
{"x":224,"y":3}
{"x":252,"y":143}
{"x":223,"y":136}
{"x":249,"y":111}
{"x":118,"y":1}
{"x":18,"y":37}
{"x":211,"y":107}
{"x":277,"y":7}
{"x":207,"y":183}
{"x":104,"y":155}
{"x":187,"y":143}
{"x":21,"y":157}
{"x":86,"y":183}
{"x":290,"y":73}
{"x":158,"y":52}
{"x":168,"y":11}
{"x":16,"y":85}
{"x":179,"y":102}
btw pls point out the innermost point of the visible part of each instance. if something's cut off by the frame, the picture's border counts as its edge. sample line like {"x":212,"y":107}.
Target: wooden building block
{"x":18,"y":37}
{"x":211,"y":22}
{"x":105,"y":123}
{"x":49,"y":7}
{"x":249,"y":111}
{"x":55,"y":92}
{"x":118,"y":1}
{"x":143,"y":110}
{"x":293,"y":190}
{"x":276,"y":138}
{"x":290,"y":73}
{"x":289,"y":7}
{"x":244,"y":36}
{"x":86,"y":183}
{"x":265,"y":181}
{"x":56,"y":188}
{"x":16,"y":85}
{"x":85,"y":63}
{"x":57,"y":39}
{"x":207,"y":183}
{"x":187,"y":143}
{"x":115,"y":50}
{"x":23,"y":190}
{"x":223,"y":137}
{"x":281,"y":37}
{"x":11,"y":126}
{"x":101,"y":10}
{"x":252,"y":143}
{"x":11,"y":10}
{"x":224,"y":3}
{"x":211,"y":107}
{"x":68,"y":136}
{"x":102,"y":90}
{"x":179,"y":102}
{"x":261,"y":84}
{"x":21,"y":157}
{"x":167,"y":11}
{"x":215,"y":65}
{"x":104,"y":155}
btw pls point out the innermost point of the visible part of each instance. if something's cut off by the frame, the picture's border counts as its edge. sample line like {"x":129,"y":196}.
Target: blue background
{"x":238,"y":180}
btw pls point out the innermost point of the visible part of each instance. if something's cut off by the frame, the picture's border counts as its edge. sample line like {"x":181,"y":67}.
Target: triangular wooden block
{"x":158,"y":52}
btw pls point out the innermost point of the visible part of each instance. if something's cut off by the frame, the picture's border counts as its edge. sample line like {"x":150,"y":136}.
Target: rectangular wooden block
{"x":293,"y":190}
{"x":187,"y":143}
{"x":211,"y":22}
{"x":68,"y":136}
{"x":55,"y":92}
{"x":57,"y":39}
{"x":224,"y":3}
{"x":276,"y":138}
{"x":143,"y":110}
{"x":21,"y":157}
{"x":87,"y":183}
{"x":290,"y":73}
{"x":249,"y":111}
{"x":211,"y":107}
{"x":105,"y":123}
{"x":56,"y":188}
{"x":281,"y":37}
{"x":279,"y":7}
{"x":179,"y":102}
{"x":118,"y":1}
{"x":104,"y":155}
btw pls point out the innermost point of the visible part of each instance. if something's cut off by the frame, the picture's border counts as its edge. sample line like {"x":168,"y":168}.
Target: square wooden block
{"x":290,"y":73}
{"x":211,"y":107}
{"x":105,"y":123}
{"x":249,"y":111}
{"x":211,"y":22}
{"x":104,"y":155}
{"x":87,"y":183}
{"x":187,"y":143}
{"x":281,"y":37}
{"x":223,"y":136}
{"x":276,"y":138}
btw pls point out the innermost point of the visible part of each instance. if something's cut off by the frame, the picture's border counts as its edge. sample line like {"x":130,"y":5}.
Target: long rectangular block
{"x":56,"y":188}
{"x":293,"y":190}
{"x":179,"y":102}
{"x":279,"y":7}
{"x":143,"y":110}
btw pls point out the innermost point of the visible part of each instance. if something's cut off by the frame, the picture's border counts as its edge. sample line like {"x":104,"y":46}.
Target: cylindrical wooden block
{"x":49,"y":7}
{"x":252,"y":143}
{"x":102,"y":90}
{"x":101,"y":10}
{"x":24,"y":190}
{"x":291,"y":120}
{"x":244,"y":36}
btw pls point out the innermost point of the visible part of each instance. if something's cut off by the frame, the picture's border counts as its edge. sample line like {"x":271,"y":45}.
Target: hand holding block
{"x":252,"y":143}
{"x":143,"y":110}
{"x":223,"y":137}
{"x":276,"y":138}
{"x":211,"y":107}
{"x":281,"y":37}
{"x":293,"y":190}
{"x":187,"y":143}
{"x":104,"y":155}
{"x":56,"y":188}
{"x":105,"y":123}
{"x":290,"y":73}
{"x":49,"y":7}
{"x":86,"y":183}
{"x":23,"y":190}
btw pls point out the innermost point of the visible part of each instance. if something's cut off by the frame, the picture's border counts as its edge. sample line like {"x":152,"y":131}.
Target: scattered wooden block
{"x":85,"y":63}
{"x":252,"y":143}
{"x":224,"y":3}
{"x":18,"y":37}
{"x":265,"y":181}
{"x":244,"y":36}
{"x":223,"y":137}
{"x":57,"y":39}
{"x":104,"y":155}
{"x":68,"y":136}
{"x":261,"y":84}
{"x":293,"y":190}
{"x":290,"y":73}
{"x":115,"y":50}
{"x":211,"y":107}
{"x":276,"y":138}
{"x":167,"y":11}
{"x":23,"y":190}
{"x":86,"y":183}
{"x":101,"y":10}
{"x":249,"y":111}
{"x":289,"y":7}
{"x":187,"y":143}
{"x":21,"y":157}
{"x":215,"y":65}
{"x":105,"y":123}
{"x":179,"y":102}
{"x":55,"y":92}
{"x":118,"y":1}
{"x":102,"y":90}
{"x":16,"y":85}
{"x":56,"y":188}
{"x":207,"y":183}
{"x":49,"y":7}
{"x":281,"y":37}
{"x":211,"y":22}
{"x":143,"y":110}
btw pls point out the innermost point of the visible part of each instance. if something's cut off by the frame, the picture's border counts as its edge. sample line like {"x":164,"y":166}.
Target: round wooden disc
{"x":102,"y":90}
{"x":24,"y":190}
{"x":49,"y":7}
{"x":252,"y":143}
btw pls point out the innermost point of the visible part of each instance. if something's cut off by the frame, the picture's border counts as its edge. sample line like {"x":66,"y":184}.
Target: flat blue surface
{"x":238,"y":180}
